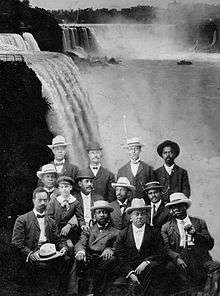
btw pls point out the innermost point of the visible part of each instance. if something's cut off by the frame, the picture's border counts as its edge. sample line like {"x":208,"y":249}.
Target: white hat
{"x":102,"y":204}
{"x":177,"y":198}
{"x":133,"y":142}
{"x":46,"y":169}
{"x":123,"y":182}
{"x":137,"y":204}
{"x":58,"y":141}
{"x":48,"y":251}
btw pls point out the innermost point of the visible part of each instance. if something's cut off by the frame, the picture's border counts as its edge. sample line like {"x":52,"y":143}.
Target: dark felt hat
{"x":93,"y":146}
{"x":65,"y":179}
{"x":84,"y":174}
{"x":168,"y":143}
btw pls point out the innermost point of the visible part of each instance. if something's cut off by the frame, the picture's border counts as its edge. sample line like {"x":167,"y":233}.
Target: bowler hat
{"x":58,"y":141}
{"x":102,"y":204}
{"x":123,"y":182}
{"x":84,"y":174}
{"x":47,"y":169}
{"x":168,"y":143}
{"x":178,"y":198}
{"x":65,"y":179}
{"x":93,"y":146}
{"x":152,"y":185}
{"x":137,"y":204}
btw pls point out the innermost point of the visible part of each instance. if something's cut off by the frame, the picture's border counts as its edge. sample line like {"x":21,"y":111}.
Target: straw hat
{"x":46,"y":169}
{"x":48,"y":251}
{"x":123,"y":182}
{"x":137,"y":204}
{"x":135,"y":141}
{"x":152,"y":185}
{"x":102,"y":204}
{"x":178,"y":198}
{"x":168,"y":143}
{"x":58,"y":141}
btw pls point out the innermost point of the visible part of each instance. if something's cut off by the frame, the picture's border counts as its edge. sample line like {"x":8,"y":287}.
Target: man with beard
{"x":187,"y":243}
{"x":172,"y":177}
{"x":103,"y":178}
{"x":138,"y":172}
{"x":95,"y":248}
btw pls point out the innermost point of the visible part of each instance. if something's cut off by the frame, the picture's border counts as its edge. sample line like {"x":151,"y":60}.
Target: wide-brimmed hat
{"x":93,"y":146}
{"x":168,"y":143}
{"x":65,"y":179}
{"x":102,"y":204}
{"x":84,"y":174}
{"x":135,"y":141}
{"x":58,"y":141}
{"x":137,"y":204}
{"x":47,"y":169}
{"x":48,"y":251}
{"x":123,"y":182}
{"x":178,"y":198}
{"x":152,"y":185}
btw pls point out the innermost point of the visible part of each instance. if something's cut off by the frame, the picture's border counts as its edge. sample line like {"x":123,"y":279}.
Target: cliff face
{"x":23,"y":136}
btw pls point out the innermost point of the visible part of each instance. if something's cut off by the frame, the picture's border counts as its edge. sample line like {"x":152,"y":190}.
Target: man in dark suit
{"x":95,"y":248}
{"x":138,"y":172}
{"x":187,"y":243}
{"x":172,"y":177}
{"x":138,"y":249}
{"x":34,"y":229}
{"x":103,"y":178}
{"x":159,"y":214}
{"x":124,"y":193}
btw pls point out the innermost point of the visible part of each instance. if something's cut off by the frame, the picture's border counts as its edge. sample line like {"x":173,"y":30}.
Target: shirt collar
{"x":168,"y":168}
{"x":135,"y":229}
{"x":49,"y":190}
{"x":185,"y":220}
{"x":92,"y":166}
{"x":57,"y":162}
{"x":85,"y":196}
{"x":157,"y":204}
{"x":135,"y":161}
{"x":70,"y":199}
{"x":38,"y":213}
{"x":122,"y":203}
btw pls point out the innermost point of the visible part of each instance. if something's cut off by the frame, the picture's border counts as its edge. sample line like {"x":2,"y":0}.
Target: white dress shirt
{"x":138,"y":235}
{"x":49,"y":190}
{"x":59,"y":165}
{"x":95,"y":171}
{"x":169,"y":168}
{"x":41,"y":221}
{"x":134,"y":166}
{"x":124,"y":205}
{"x":86,"y":207}
{"x":185,"y":238}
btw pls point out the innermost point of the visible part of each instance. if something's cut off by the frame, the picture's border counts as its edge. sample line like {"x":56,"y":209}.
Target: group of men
{"x":132,"y":230}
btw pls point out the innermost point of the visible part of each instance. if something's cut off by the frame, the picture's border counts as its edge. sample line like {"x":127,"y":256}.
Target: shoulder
{"x":159,"y":170}
{"x":25,"y":216}
{"x":124,"y":167}
{"x":196,"y":220}
{"x":146,"y":166}
{"x":178,"y":168}
{"x":71,"y":166}
{"x":167,"y":225}
{"x":106,"y":171}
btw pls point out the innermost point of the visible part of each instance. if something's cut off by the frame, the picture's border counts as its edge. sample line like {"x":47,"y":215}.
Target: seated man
{"x":124,"y":194}
{"x":34,"y":229}
{"x":187,"y":243}
{"x":95,"y":248}
{"x":138,"y":250}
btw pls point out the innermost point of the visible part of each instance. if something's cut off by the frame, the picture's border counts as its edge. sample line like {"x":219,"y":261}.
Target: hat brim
{"x":131,"y":187}
{"x":131,"y":209}
{"x":84,"y":177}
{"x":168,"y":143}
{"x":188,"y":202}
{"x":126,"y":146}
{"x":153,"y":187}
{"x":39,"y":173}
{"x":58,"y":254}
{"x":110,"y":209}
{"x":64,"y":145}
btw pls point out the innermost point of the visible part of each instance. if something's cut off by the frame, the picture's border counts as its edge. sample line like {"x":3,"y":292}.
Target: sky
{"x":75,"y":4}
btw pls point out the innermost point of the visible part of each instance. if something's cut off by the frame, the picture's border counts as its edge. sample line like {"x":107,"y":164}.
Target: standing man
{"x":172,"y":177}
{"x":103,"y":178}
{"x":124,"y":194}
{"x":138,"y":172}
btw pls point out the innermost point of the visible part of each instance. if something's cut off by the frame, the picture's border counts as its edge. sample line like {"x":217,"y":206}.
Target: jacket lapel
{"x":175,"y":231}
{"x":34,"y":221}
{"x":100,"y":234}
{"x":140,"y":168}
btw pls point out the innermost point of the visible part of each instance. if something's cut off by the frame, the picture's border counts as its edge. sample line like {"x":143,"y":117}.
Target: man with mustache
{"x":172,"y":177}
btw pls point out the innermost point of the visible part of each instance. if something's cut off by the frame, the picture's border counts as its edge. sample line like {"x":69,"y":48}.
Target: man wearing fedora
{"x":103,"y":178}
{"x":187,"y":243}
{"x":124,"y":194}
{"x":95,"y":248}
{"x":172,"y":177}
{"x":138,"y":249}
{"x":159,"y":214}
{"x":138,"y":172}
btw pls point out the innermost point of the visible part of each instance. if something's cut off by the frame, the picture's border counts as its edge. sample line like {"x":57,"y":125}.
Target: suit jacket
{"x":95,"y":241}
{"x":119,"y":220}
{"x":144,"y":175}
{"x":26,"y":233}
{"x":178,"y":181}
{"x":161,"y":216}
{"x":127,"y":253}
{"x":103,"y":184}
{"x":202,"y":240}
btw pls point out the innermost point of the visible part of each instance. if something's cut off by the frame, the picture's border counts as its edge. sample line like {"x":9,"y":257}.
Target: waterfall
{"x":13,"y":42}
{"x":31,"y":43}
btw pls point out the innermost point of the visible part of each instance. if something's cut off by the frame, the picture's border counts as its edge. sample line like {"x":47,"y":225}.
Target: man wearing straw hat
{"x":138,"y":249}
{"x":138,"y":172}
{"x":187,"y":243}
{"x":172,"y":177}
{"x":95,"y":248}
{"x":124,"y":194}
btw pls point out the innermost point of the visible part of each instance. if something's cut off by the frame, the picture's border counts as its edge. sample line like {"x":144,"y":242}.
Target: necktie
{"x":154,"y":210}
{"x":40,"y":216}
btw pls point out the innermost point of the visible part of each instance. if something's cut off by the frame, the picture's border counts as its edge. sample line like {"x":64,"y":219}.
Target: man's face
{"x":49,"y":180}
{"x":138,"y":217}
{"x":65,"y":189}
{"x":154,"y":195}
{"x":95,"y":156}
{"x":101,"y":216}
{"x":168,"y":155}
{"x":40,"y":201}
{"x":121,"y":193}
{"x":86,"y":185}
{"x":134,"y":152}
{"x":59,"y":152}
{"x":179,"y":211}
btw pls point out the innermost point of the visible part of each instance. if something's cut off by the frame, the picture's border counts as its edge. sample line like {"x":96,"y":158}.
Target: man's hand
{"x":34,"y":258}
{"x":65,"y":230}
{"x":134,"y":278}
{"x":107,"y":254}
{"x":181,"y":264}
{"x":81,"y":256}
{"x":141,"y":267}
{"x":63,"y":251}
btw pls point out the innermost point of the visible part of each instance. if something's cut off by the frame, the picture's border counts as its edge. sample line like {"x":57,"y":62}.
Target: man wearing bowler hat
{"x":124,"y":194}
{"x":103,"y":178}
{"x":187,"y":243}
{"x":172,"y":177}
{"x":138,"y":172}
{"x":95,"y":248}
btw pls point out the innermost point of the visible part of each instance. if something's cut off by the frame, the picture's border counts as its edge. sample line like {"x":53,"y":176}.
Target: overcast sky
{"x":74,"y":4}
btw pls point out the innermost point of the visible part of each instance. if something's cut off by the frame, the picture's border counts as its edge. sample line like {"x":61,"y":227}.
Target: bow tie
{"x":40,"y":216}
{"x":95,"y":168}
{"x":58,"y":163}
{"x":135,"y":162}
